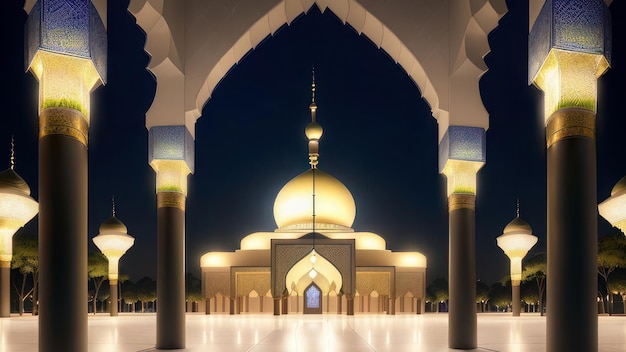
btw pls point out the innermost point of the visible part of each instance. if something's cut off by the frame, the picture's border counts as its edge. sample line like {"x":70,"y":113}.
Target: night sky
{"x":380,"y":139}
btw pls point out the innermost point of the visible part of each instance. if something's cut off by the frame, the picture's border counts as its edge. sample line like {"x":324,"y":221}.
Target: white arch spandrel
{"x":439,"y":43}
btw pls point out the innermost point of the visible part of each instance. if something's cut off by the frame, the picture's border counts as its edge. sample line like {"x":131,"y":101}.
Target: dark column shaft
{"x":5,"y":290}
{"x":277,"y":305}
{"x":516,"y":301}
{"x":62,"y":231}
{"x":462,"y":330}
{"x":571,"y":310}
{"x":113,"y":298}
{"x":170,"y":271}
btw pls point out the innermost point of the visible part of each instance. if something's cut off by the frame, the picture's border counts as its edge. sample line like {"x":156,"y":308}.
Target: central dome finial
{"x":313,"y":130}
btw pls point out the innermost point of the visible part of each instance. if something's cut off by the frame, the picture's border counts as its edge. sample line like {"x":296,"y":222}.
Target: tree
{"x":500,"y":294}
{"x":529,"y":293}
{"x":130,"y":293}
{"x":438,"y":291}
{"x":611,"y":255}
{"x":482,"y":294}
{"x":146,"y":291}
{"x":617,"y":284}
{"x":193,"y":288}
{"x":536,"y":269}
{"x":98,"y":272}
{"x":26,"y":261}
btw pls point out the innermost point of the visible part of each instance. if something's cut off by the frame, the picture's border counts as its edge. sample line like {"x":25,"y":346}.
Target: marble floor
{"x":291,"y":333}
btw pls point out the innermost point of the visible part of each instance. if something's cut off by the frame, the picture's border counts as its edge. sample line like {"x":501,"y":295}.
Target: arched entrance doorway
{"x":312,"y":299}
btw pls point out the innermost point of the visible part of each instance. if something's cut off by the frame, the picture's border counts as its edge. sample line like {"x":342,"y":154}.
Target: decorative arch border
{"x":286,"y":253}
{"x":175,"y":67}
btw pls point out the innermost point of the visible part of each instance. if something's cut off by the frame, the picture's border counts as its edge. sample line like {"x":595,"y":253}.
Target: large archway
{"x":456,"y":31}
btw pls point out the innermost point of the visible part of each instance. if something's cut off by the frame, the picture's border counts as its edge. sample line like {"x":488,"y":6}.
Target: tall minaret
{"x":313,"y":130}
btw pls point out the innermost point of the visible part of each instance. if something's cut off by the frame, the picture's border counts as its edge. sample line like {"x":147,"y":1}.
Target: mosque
{"x":314,"y":262}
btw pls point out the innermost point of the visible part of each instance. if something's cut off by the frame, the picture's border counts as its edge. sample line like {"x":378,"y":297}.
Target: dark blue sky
{"x":380,"y":139}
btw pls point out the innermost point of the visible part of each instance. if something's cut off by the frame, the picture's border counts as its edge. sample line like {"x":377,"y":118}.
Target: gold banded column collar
{"x":461,"y":201}
{"x":570,"y":123}
{"x":5,"y":264}
{"x":64,"y":121}
{"x":171,"y":200}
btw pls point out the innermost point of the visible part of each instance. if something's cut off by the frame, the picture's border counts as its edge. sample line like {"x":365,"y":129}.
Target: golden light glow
{"x":569,"y":79}
{"x":113,"y":245}
{"x":516,"y":245}
{"x":64,"y":80}
{"x":613,"y":209}
{"x":410,"y":259}
{"x":16,"y":209}
{"x":216,"y":260}
{"x":171,"y":175}
{"x":461,"y":175}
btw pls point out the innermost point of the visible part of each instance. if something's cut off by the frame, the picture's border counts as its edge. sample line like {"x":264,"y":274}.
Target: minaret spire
{"x":313,"y":130}
{"x":12,"y":153}
{"x":517,"y":212}
{"x":113,"y":205}
{"x":313,"y":106}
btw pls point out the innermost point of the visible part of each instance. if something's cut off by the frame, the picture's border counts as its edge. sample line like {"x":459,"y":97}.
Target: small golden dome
{"x":313,"y":131}
{"x":619,"y":186}
{"x":518,"y":225}
{"x":113,"y":225}
{"x":9,"y":179}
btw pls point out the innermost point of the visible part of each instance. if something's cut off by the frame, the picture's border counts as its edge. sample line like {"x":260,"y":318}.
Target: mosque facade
{"x":314,"y":261}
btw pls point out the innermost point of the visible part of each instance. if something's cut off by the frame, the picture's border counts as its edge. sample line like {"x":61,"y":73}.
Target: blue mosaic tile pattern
{"x":574,"y":25}
{"x":171,"y":143}
{"x":71,"y":27}
{"x":462,"y":143}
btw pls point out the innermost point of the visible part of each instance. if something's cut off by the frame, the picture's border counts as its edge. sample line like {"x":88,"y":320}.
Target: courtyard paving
{"x":291,"y":333}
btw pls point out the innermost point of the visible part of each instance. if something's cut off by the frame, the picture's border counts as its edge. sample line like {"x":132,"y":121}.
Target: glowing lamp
{"x":66,"y":50}
{"x":516,"y":240}
{"x":113,"y":242}
{"x":613,"y":209}
{"x":16,"y":209}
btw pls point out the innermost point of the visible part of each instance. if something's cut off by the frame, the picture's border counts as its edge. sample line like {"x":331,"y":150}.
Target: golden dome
{"x":334,"y":204}
{"x":9,"y":179}
{"x":518,"y":225}
{"x":113,"y":225}
{"x":619,"y":186}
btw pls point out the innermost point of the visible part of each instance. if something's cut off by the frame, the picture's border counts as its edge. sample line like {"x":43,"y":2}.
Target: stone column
{"x":462,"y":324}
{"x":285,"y":303}
{"x":171,"y":157}
{"x":62,"y":230}
{"x":339,"y":303}
{"x":68,"y":67}
{"x":566,"y":68}
{"x":516,"y":301}
{"x":349,"y":304}
{"x":170,"y":270}
{"x":113,"y":285}
{"x":5,"y":289}
{"x":277,"y":304}
{"x":461,"y":155}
